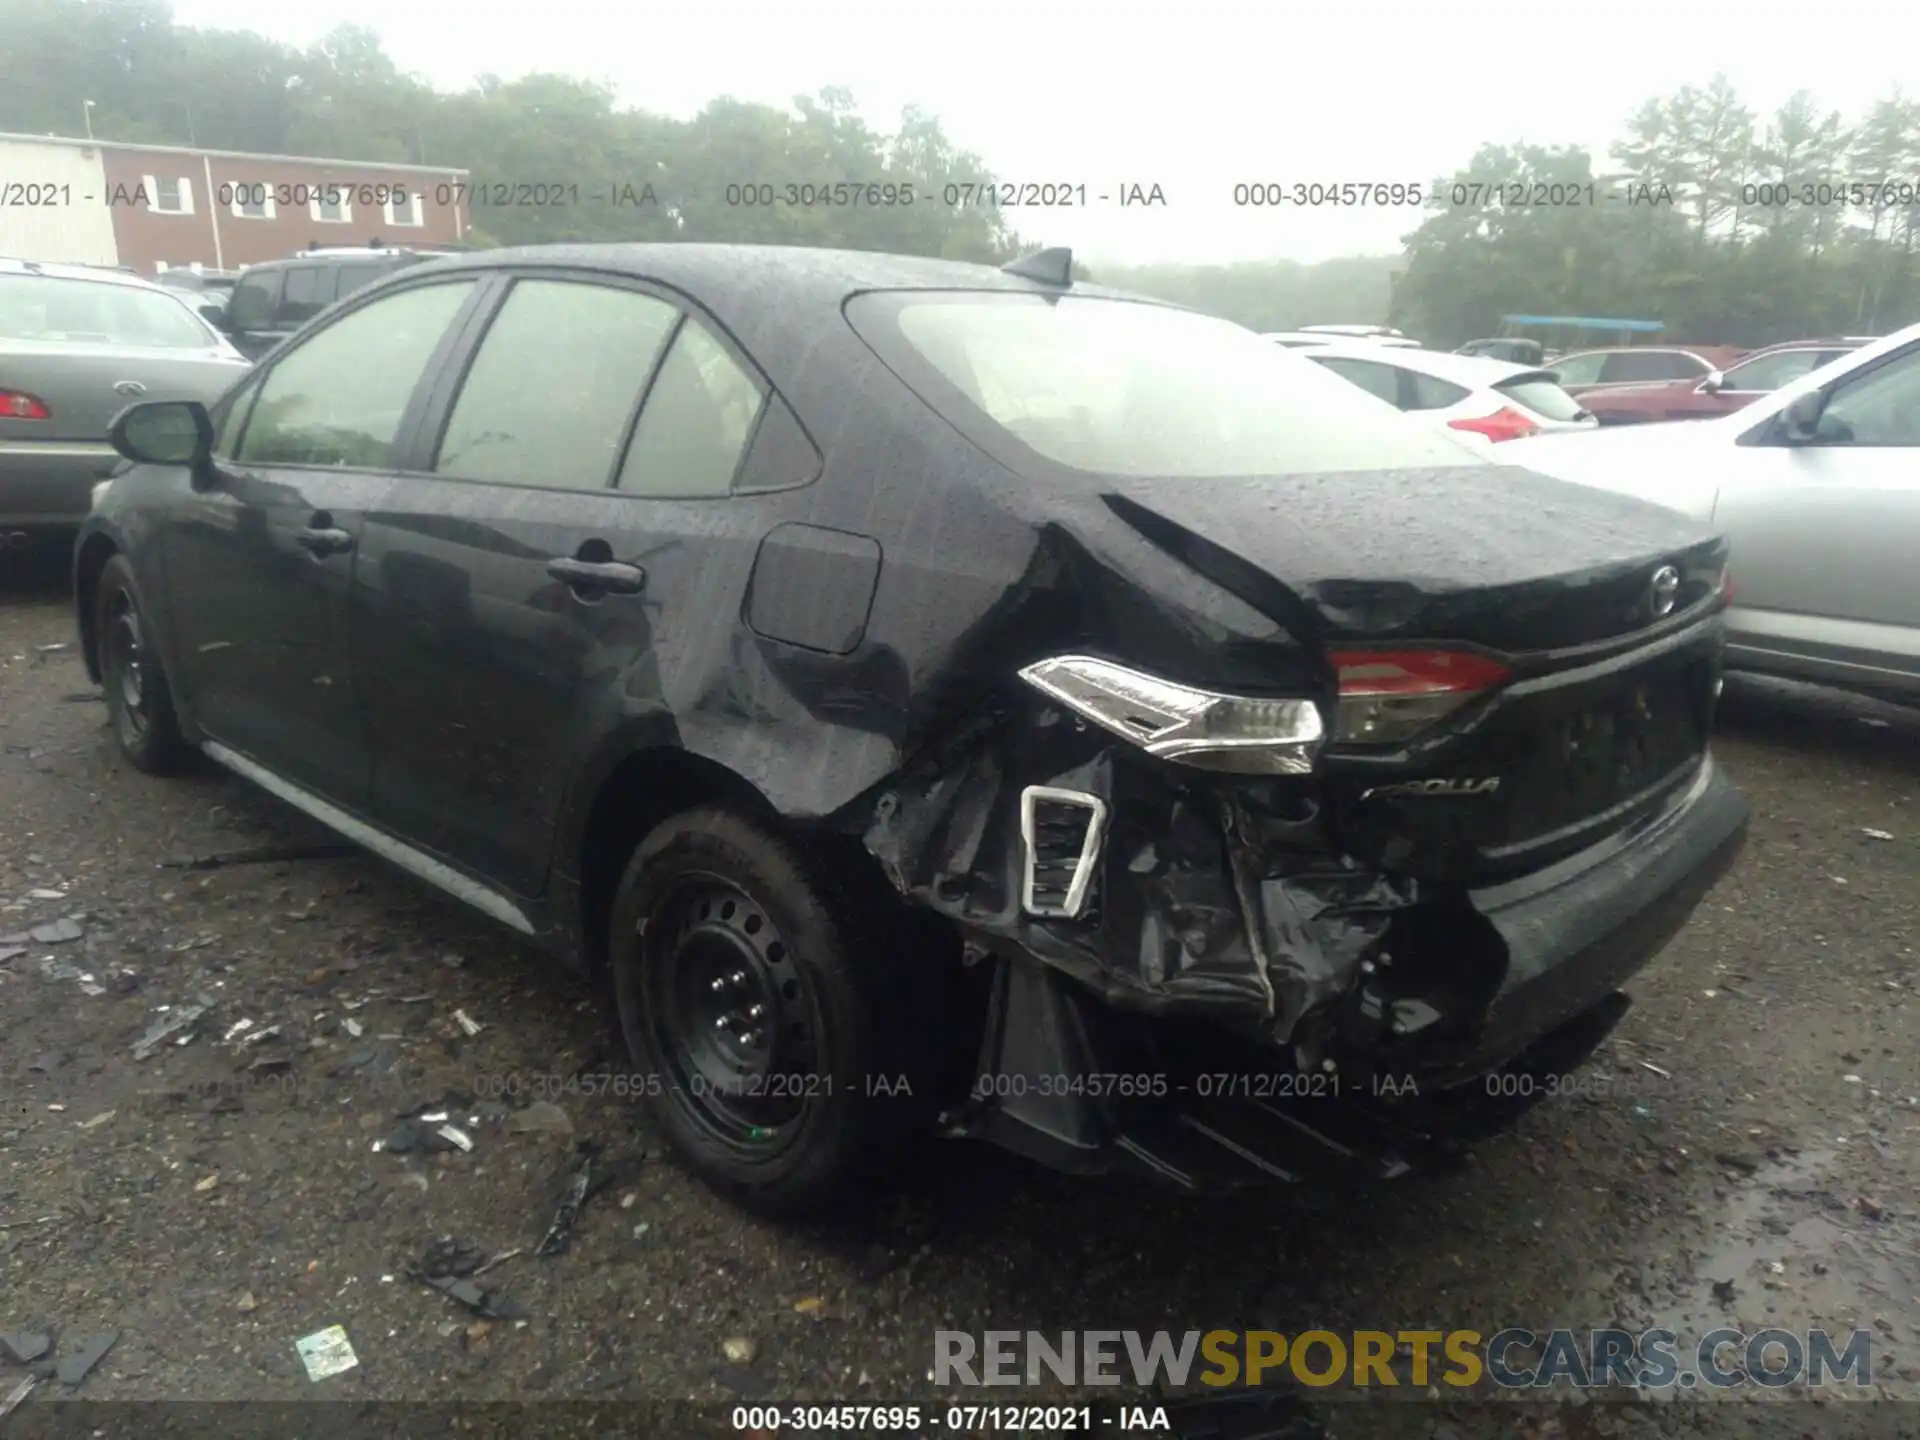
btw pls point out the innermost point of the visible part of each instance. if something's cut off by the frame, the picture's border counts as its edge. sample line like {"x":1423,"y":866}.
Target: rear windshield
{"x":1542,"y":396}
{"x":53,"y":309}
{"x":1116,"y":387}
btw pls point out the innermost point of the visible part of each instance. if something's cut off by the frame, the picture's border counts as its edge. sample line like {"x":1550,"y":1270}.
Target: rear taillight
{"x":1387,"y":696}
{"x":18,"y":405}
{"x":1503,"y":424}
{"x":1726,"y":587}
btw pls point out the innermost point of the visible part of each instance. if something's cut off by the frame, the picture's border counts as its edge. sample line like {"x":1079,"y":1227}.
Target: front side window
{"x":232,"y":420}
{"x":338,"y":397}
{"x":50,"y":308}
{"x":554,"y":384}
{"x":255,"y":300}
{"x":1770,"y":372}
{"x":1881,"y":407}
{"x":1126,"y":388}
{"x":695,"y":425}
{"x":1580,"y":369}
{"x":309,"y":290}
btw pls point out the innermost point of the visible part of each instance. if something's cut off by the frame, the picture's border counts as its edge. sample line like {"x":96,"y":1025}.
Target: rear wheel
{"x":738,"y":974}
{"x":139,"y":701}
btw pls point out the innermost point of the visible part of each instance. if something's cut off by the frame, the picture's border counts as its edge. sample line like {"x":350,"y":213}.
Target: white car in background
{"x":1483,"y":402}
{"x":1321,"y":335}
{"x":1818,"y":487}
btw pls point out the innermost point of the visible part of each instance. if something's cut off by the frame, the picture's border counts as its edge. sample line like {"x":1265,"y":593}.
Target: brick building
{"x":149,"y":207}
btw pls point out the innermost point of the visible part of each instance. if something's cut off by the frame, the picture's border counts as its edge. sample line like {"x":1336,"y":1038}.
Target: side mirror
{"x":1714,"y":383}
{"x":164,"y":432}
{"x":215,"y":314}
{"x":1800,"y":421}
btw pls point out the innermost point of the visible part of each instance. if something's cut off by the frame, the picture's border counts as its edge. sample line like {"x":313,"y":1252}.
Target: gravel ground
{"x":212,"y":1213}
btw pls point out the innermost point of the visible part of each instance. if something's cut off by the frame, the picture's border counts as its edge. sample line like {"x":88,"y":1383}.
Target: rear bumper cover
{"x":50,"y":483}
{"x":1090,"y":1087}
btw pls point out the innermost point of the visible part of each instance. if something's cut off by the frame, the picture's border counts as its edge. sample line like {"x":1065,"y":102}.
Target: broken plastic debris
{"x":456,"y":1135}
{"x":541,"y":1117}
{"x":560,"y":1233}
{"x":61,"y":894}
{"x":432,"y":1117}
{"x":1649,"y":1065}
{"x":26,"y":1346}
{"x":88,"y":988}
{"x":739,"y":1349}
{"x":354,"y":1028}
{"x":17,"y":1395}
{"x":97,"y":1121}
{"x":467,"y":1022}
{"x":59,"y":932}
{"x":203,"y":1186}
{"x":260,"y":1037}
{"x":75,"y":1367}
{"x":1872,"y":834}
{"x":247,"y":1302}
{"x":326,"y":1352}
{"x":238,"y":1027}
{"x":812,"y":1305}
{"x":172,"y":1023}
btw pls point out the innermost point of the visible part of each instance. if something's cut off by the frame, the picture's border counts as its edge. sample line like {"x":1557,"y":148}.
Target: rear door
{"x":1824,"y":534}
{"x":259,"y":564}
{"x":1640,"y":367}
{"x":560,"y":554}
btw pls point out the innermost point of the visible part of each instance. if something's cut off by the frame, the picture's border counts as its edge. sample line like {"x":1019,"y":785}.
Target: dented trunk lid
{"x":1608,"y":711}
{"x":1487,"y":555}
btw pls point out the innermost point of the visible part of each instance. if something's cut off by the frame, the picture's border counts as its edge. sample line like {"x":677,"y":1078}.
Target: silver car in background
{"x":77,"y":346}
{"x":1818,"y":487}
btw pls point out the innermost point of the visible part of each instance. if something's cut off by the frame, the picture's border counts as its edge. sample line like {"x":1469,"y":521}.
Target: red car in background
{"x":1719,"y":392}
{"x":1585,"y":373}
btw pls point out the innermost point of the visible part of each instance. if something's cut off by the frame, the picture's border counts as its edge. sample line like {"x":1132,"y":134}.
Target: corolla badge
{"x":1484,"y":786}
{"x":1663,"y":591}
{"x":129,"y":388}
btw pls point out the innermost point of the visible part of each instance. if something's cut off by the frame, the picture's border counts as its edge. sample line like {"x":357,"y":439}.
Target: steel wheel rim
{"x":126,"y":673}
{"x":730,"y":1016}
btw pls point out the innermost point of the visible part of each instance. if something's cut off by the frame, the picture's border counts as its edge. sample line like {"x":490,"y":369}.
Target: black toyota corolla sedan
{"x":937,"y":699}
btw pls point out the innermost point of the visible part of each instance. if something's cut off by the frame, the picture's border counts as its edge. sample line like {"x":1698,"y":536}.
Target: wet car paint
{"x":839,"y":649}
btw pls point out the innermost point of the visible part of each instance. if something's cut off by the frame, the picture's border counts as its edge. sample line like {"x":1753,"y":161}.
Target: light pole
{"x":86,"y":110}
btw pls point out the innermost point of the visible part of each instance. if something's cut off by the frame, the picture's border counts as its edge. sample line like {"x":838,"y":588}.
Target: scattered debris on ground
{"x":326,"y":1352}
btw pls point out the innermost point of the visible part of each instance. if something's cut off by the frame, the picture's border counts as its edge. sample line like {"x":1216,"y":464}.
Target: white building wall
{"x":53,"y":204}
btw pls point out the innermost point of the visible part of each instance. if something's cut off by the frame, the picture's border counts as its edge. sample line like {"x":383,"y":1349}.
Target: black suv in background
{"x":274,"y":299}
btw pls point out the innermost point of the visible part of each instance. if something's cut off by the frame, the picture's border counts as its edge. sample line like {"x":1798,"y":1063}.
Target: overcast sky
{"x":1192,"y":95}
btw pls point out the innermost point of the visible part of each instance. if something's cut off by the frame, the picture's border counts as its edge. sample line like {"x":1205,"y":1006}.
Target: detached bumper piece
{"x":1077,"y":1087}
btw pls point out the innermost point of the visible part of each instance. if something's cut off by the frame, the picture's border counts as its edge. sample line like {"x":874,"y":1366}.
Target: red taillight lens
{"x":18,"y":405}
{"x":1387,"y":696}
{"x":1726,"y":587}
{"x":1501,"y":425}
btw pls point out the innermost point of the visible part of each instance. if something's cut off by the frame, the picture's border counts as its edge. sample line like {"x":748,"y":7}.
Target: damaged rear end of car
{"x":1335,"y":782}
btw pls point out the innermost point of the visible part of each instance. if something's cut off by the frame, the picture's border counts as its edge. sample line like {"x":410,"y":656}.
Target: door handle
{"x":319,"y":541}
{"x":610,"y":576}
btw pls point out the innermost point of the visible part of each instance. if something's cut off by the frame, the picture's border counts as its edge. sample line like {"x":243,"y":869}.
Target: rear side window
{"x":337,"y":397}
{"x":553,"y":387}
{"x":1122,"y":388}
{"x":1580,"y":369}
{"x":254,"y":300}
{"x":1428,"y":392}
{"x":1380,"y":381}
{"x":1542,"y":396}
{"x":696,"y":423}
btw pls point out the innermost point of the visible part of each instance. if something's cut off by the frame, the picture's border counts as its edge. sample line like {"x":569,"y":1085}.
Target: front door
{"x":506,"y":599}
{"x":1824,"y":533}
{"x":260,"y":561}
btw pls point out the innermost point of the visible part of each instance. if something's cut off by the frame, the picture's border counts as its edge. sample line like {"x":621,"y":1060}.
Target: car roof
{"x":1474,"y":370}
{"x":719,"y":273}
{"x":98,"y":274}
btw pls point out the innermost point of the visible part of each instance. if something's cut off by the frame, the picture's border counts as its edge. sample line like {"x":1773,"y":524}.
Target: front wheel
{"x":139,"y":701}
{"x":741,"y":994}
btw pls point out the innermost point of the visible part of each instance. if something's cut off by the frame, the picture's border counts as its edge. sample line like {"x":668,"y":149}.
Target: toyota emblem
{"x":1663,"y":591}
{"x":129,"y":388}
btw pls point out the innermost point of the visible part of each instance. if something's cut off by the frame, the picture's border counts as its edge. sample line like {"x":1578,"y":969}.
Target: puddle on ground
{"x":1793,"y":1249}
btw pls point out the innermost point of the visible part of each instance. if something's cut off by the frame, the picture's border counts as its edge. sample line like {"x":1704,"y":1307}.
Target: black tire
{"x":139,"y":701}
{"x":717,"y":914}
